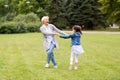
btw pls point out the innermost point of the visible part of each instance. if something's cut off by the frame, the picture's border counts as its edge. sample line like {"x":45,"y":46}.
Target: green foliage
{"x":64,"y":13}
{"x":31,"y":21}
{"x":18,"y":27}
{"x":19,"y":18}
{"x":12,"y":27}
{"x":23,"y":7}
{"x":2,"y":8}
{"x":9,"y":17}
{"x":21,"y":24}
{"x":31,"y":17}
{"x":84,"y":12}
{"x":33,"y":27}
{"x":56,"y":12}
{"x":7,"y":27}
{"x":112,"y":10}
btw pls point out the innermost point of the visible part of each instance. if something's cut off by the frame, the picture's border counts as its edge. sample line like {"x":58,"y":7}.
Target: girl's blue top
{"x":75,"y":38}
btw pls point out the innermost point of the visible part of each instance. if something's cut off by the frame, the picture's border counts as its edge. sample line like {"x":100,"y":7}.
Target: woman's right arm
{"x":46,"y":32}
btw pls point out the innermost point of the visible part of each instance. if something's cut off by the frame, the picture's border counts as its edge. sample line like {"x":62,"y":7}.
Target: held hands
{"x":57,"y":34}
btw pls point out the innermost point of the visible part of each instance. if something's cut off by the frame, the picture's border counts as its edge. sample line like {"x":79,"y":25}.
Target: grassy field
{"x":22,"y":57}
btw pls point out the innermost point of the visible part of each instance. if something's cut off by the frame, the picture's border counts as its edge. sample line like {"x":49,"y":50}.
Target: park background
{"x":21,"y":16}
{"x":22,"y":56}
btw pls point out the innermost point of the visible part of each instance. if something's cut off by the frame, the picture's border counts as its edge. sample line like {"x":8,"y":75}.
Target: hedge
{"x":18,"y":27}
{"x":22,"y":23}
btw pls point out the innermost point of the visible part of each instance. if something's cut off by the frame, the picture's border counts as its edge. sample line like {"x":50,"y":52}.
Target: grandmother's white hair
{"x":44,"y":17}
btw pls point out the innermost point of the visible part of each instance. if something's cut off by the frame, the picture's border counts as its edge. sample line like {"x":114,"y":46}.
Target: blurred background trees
{"x":111,"y":8}
{"x":85,"y":12}
{"x":90,"y":14}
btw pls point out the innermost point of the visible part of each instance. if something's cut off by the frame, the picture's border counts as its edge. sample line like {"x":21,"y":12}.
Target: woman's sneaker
{"x":47,"y":65}
{"x":56,"y":66}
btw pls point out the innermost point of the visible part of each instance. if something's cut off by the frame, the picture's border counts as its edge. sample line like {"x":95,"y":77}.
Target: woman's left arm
{"x":58,"y":30}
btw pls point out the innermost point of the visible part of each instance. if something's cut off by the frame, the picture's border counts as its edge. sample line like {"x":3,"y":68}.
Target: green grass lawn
{"x":22,"y":57}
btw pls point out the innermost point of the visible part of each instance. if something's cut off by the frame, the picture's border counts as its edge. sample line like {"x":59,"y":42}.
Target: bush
{"x":19,"y":27}
{"x":12,"y":27}
{"x":21,"y":24}
{"x":31,"y":17}
{"x":7,"y":27}
{"x":19,"y":18}
{"x":33,"y":27}
{"x":9,"y":17}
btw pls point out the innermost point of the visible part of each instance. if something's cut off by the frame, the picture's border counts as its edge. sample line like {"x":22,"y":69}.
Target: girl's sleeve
{"x":66,"y":37}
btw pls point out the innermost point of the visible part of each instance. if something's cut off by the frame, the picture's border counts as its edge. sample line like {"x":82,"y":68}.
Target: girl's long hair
{"x":77,"y":28}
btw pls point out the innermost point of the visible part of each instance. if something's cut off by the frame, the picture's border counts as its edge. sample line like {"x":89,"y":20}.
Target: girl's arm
{"x":66,"y":36}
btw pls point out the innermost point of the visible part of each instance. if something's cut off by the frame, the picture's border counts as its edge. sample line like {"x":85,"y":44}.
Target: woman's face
{"x":46,"y":21}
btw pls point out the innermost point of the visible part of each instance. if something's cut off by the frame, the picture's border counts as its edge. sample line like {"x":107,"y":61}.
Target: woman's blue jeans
{"x":50,"y":54}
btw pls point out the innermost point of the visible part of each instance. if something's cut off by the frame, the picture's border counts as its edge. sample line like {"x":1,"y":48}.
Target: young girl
{"x":76,"y":47}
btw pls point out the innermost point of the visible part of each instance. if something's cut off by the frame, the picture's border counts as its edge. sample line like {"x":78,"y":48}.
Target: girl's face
{"x":73,"y":29}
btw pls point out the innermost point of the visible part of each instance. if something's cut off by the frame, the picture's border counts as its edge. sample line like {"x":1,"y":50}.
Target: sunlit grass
{"x":22,"y":57}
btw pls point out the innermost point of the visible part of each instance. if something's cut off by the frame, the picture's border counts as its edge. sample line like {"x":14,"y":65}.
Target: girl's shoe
{"x":75,"y":67}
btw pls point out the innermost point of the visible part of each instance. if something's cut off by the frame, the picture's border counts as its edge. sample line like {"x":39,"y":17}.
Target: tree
{"x":112,"y":9}
{"x":57,"y":13}
{"x":84,"y":12}
{"x":6,"y":10}
{"x":36,"y":6}
{"x":17,"y":7}
{"x":2,"y":8}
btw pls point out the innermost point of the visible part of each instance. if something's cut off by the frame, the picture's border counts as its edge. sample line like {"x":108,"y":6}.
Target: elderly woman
{"x":49,"y":31}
